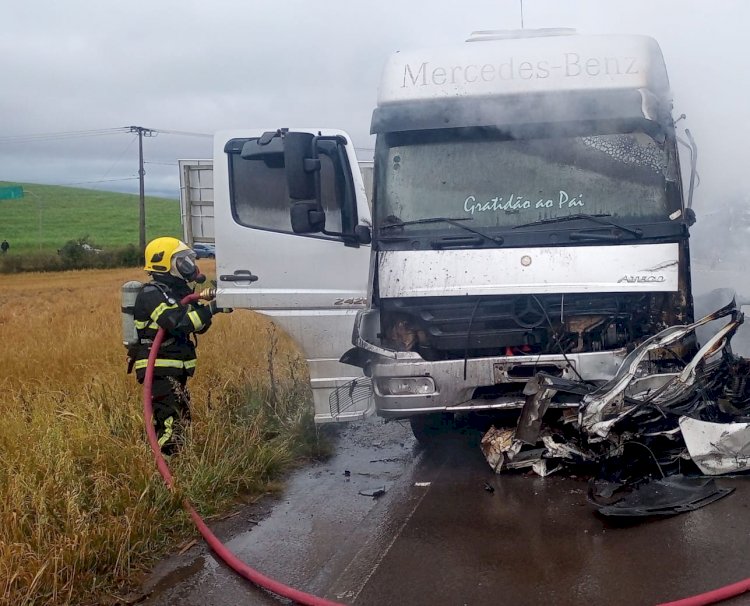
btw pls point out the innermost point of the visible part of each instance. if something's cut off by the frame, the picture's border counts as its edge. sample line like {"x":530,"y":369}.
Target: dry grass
{"x":82,"y":509}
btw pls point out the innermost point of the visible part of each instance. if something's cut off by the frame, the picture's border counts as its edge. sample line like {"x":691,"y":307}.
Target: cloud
{"x":206,"y":66}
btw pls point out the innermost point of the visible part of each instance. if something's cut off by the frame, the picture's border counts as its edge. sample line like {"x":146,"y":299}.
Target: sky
{"x":198,"y":67}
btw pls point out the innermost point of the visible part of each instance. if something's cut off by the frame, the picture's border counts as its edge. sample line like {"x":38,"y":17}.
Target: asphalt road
{"x":530,"y":541}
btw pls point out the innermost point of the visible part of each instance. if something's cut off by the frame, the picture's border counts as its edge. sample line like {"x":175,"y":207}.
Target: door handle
{"x":240,"y":275}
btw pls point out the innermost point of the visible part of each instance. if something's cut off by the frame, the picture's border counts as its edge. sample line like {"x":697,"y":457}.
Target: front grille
{"x":496,"y":322}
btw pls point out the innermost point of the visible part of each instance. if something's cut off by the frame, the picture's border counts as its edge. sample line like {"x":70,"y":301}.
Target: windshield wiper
{"x":450,"y":221}
{"x":595,"y":218}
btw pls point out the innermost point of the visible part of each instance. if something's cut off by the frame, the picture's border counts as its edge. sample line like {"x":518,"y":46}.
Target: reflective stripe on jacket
{"x":157,"y":306}
{"x":166,"y":363}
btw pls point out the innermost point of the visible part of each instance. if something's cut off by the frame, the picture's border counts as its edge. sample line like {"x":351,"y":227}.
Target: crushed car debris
{"x":666,"y":496}
{"x":717,"y":448}
{"x":662,"y":415}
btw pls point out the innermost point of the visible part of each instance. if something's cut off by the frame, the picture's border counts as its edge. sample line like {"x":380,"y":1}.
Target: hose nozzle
{"x":207,"y":294}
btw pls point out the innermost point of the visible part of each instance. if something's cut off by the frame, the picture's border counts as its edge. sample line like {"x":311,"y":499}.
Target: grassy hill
{"x":50,"y":215}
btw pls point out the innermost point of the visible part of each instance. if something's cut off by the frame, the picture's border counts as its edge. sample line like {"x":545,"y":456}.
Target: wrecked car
{"x":646,"y":429}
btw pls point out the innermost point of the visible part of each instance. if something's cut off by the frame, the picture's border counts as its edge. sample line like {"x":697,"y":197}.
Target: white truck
{"x":527,"y":216}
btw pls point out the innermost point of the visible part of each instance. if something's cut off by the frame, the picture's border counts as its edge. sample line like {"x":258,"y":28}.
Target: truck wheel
{"x":428,"y":428}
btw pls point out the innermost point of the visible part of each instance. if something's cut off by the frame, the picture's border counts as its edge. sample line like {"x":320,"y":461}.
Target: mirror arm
{"x":316,"y":160}
{"x":348,"y":239}
{"x":693,"y":166}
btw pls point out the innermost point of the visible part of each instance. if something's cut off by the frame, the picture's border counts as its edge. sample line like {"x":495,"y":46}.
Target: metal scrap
{"x":602,"y":409}
{"x":655,"y":418}
{"x":717,"y":448}
{"x":539,"y":393}
{"x":498,"y":447}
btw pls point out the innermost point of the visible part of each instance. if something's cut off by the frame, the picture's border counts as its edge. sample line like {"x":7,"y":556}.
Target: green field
{"x":50,"y":215}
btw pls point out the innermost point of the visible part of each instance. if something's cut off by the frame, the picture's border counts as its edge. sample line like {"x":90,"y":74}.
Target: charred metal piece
{"x":539,"y":394}
{"x":606,"y":406}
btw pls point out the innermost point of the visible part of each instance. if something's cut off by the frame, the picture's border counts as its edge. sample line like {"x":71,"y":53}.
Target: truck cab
{"x":527,"y":216}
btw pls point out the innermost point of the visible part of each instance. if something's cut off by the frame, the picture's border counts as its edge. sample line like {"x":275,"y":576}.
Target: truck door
{"x":311,"y":284}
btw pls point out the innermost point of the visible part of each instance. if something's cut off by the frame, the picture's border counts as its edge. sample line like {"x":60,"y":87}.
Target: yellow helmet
{"x":171,"y":256}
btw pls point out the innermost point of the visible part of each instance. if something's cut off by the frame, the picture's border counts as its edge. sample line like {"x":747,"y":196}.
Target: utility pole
{"x":142,"y":132}
{"x":521,"y":14}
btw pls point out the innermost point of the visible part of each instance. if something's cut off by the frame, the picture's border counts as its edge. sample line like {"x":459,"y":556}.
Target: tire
{"x":429,"y":428}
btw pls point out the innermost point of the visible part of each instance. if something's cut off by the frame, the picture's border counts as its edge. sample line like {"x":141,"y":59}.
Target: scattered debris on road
{"x":661,"y":416}
{"x":187,"y":546}
{"x":373,"y":492}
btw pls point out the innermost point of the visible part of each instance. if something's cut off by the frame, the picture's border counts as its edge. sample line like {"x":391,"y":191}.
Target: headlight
{"x":406,"y":386}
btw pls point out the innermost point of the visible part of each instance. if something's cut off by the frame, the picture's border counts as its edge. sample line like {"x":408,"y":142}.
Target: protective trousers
{"x":171,"y":404}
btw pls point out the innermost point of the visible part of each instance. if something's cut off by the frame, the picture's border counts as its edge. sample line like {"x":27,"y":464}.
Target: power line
{"x":100,"y":181}
{"x":100,"y":132}
{"x":76,"y":134}
{"x":116,"y":162}
{"x":183,"y":133}
{"x":97,"y":132}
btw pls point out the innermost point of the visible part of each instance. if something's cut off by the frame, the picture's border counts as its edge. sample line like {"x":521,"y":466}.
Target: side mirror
{"x":363,"y":234}
{"x":300,"y":165}
{"x":307,"y":217}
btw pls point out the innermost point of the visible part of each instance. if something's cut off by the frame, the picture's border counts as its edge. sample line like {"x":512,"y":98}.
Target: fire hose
{"x":705,"y":599}
{"x":218,"y":547}
{"x":713,"y":597}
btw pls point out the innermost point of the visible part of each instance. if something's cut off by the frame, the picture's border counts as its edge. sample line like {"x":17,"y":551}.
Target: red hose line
{"x":219,"y":548}
{"x":713,"y":597}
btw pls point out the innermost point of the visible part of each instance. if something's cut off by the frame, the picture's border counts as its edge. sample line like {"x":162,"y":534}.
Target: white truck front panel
{"x":514,"y":271}
{"x":524,"y":65}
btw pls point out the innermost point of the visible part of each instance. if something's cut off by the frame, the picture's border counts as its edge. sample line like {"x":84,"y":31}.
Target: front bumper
{"x":455,"y":381}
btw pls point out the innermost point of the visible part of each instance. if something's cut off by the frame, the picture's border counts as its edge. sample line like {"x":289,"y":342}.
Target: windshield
{"x":505,"y":182}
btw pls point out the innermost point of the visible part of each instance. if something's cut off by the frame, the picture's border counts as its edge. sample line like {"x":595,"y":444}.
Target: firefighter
{"x":171,"y":265}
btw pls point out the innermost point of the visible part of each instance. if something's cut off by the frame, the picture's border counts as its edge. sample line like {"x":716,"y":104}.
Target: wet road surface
{"x":530,"y":541}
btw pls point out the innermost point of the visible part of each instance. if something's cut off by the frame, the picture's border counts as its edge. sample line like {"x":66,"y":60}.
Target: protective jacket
{"x":158,"y":305}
